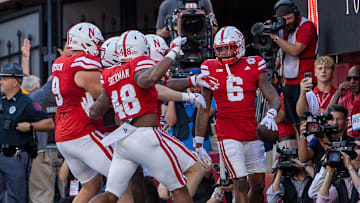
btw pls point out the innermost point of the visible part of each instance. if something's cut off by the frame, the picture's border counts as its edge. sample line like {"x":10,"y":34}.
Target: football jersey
{"x":235,"y":97}
{"x":128,"y":99}
{"x":71,"y":120}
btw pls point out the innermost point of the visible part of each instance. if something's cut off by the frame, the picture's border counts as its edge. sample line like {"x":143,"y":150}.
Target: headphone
{"x":288,"y":3}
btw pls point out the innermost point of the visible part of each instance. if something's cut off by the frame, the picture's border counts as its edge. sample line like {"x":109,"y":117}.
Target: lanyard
{"x":323,"y":101}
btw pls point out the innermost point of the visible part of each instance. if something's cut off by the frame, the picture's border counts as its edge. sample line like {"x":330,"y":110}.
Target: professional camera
{"x":285,"y":161}
{"x":191,"y":22}
{"x":335,"y":159}
{"x":262,"y":41}
{"x":223,"y":182}
{"x":318,"y":127}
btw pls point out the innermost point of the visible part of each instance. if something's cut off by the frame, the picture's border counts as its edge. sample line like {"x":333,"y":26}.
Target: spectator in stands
{"x":316,"y":149}
{"x":291,"y":184}
{"x":298,"y":49}
{"x":318,"y":99}
{"x":352,"y":101}
{"x":345,"y":189}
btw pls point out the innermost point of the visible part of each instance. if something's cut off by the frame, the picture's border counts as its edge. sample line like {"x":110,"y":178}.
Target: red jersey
{"x":307,"y":36}
{"x":235,"y":97}
{"x":353,"y":106}
{"x":128,"y":99}
{"x":71,"y":120}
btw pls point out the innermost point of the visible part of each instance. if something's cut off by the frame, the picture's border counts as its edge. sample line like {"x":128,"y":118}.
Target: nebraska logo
{"x":156,"y":43}
{"x":91,"y":32}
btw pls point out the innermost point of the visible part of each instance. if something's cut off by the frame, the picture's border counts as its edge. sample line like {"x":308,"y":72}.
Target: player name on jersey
{"x":57,"y":67}
{"x":118,"y":76}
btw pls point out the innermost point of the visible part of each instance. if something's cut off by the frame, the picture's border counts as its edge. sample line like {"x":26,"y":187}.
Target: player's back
{"x":71,"y":120}
{"x":128,"y":99}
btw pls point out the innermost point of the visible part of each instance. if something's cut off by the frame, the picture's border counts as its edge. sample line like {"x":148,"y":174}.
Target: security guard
{"x":19,"y":116}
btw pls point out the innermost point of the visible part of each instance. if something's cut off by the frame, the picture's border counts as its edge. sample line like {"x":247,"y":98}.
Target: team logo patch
{"x":250,"y":61}
{"x":219,"y":70}
{"x":247,"y":68}
{"x":12,"y":109}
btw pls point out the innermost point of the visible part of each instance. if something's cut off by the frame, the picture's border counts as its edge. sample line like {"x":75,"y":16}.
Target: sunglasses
{"x":356,"y":77}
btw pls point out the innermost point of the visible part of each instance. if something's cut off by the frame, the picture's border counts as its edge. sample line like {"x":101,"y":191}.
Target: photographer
{"x":166,"y":10}
{"x":316,"y":149}
{"x":291,"y":182}
{"x":342,"y":189}
{"x":298,"y":48}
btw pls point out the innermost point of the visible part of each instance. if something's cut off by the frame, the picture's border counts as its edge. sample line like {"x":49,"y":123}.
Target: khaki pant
{"x":43,"y":177}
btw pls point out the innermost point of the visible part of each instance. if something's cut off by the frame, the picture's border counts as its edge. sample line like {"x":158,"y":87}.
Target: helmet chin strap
{"x":227,"y":68}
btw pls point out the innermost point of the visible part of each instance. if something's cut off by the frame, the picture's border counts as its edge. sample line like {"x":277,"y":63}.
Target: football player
{"x":130,"y":88}
{"x":239,"y":78}
{"x":77,"y":137}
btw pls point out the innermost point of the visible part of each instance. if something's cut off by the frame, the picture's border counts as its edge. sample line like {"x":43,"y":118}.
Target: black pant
{"x":291,"y":95}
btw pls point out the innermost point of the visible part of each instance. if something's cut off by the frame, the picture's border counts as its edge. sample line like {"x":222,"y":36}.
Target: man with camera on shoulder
{"x":292,"y":179}
{"x":316,"y":149}
{"x":297,"y":53}
{"x":341,"y":188}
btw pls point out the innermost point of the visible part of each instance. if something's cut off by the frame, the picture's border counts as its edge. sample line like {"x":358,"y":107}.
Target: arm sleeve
{"x":313,"y":144}
{"x":275,"y":197}
{"x":207,"y":7}
{"x":317,"y":182}
{"x":332,"y":197}
{"x":306,"y":33}
{"x":163,"y":12}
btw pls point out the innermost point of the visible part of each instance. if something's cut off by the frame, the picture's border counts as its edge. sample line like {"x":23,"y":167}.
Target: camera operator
{"x":290,"y":182}
{"x":167,"y":8}
{"x":342,"y":189}
{"x":316,"y":149}
{"x":298,"y":48}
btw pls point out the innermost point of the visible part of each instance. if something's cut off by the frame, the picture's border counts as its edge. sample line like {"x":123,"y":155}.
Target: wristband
{"x":192,"y":81}
{"x":352,"y":170}
{"x":31,"y":127}
{"x":172,"y":54}
{"x":25,"y":58}
{"x":216,"y":196}
{"x":185,"y":96}
{"x":304,"y":165}
{"x":273,"y":112}
{"x":198,"y":139}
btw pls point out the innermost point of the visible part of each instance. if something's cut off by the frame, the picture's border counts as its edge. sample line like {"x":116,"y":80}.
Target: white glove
{"x":175,"y":47}
{"x":87,"y":102}
{"x":194,"y":97}
{"x":198,"y":146}
{"x":269,"y":120}
{"x":205,"y":80}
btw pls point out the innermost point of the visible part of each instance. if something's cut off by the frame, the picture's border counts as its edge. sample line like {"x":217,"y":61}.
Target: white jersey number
{"x":234,"y":91}
{"x":56,"y":91}
{"x":130,"y":103}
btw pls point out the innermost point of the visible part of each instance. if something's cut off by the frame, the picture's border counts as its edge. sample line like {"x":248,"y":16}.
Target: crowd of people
{"x":112,"y":125}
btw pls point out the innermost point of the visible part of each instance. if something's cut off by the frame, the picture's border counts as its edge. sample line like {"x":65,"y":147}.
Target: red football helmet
{"x":229,"y":45}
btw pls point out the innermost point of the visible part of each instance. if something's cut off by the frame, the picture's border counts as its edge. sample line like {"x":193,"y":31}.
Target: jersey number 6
{"x":234,"y":91}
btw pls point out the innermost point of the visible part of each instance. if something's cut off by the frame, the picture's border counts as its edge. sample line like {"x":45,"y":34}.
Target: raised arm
{"x":269,"y":91}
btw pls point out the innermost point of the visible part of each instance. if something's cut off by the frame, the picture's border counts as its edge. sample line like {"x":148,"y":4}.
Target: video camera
{"x":223,"y":182}
{"x":285,"y":161}
{"x":191,"y":22}
{"x":334,"y":157}
{"x":262,"y":41}
{"x":317,"y":125}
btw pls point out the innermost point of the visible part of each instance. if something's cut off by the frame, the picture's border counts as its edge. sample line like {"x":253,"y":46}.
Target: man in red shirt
{"x":352,"y":101}
{"x":298,"y":50}
{"x":239,"y":78}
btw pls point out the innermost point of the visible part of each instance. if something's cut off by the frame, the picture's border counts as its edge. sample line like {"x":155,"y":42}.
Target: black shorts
{"x":291,"y":95}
